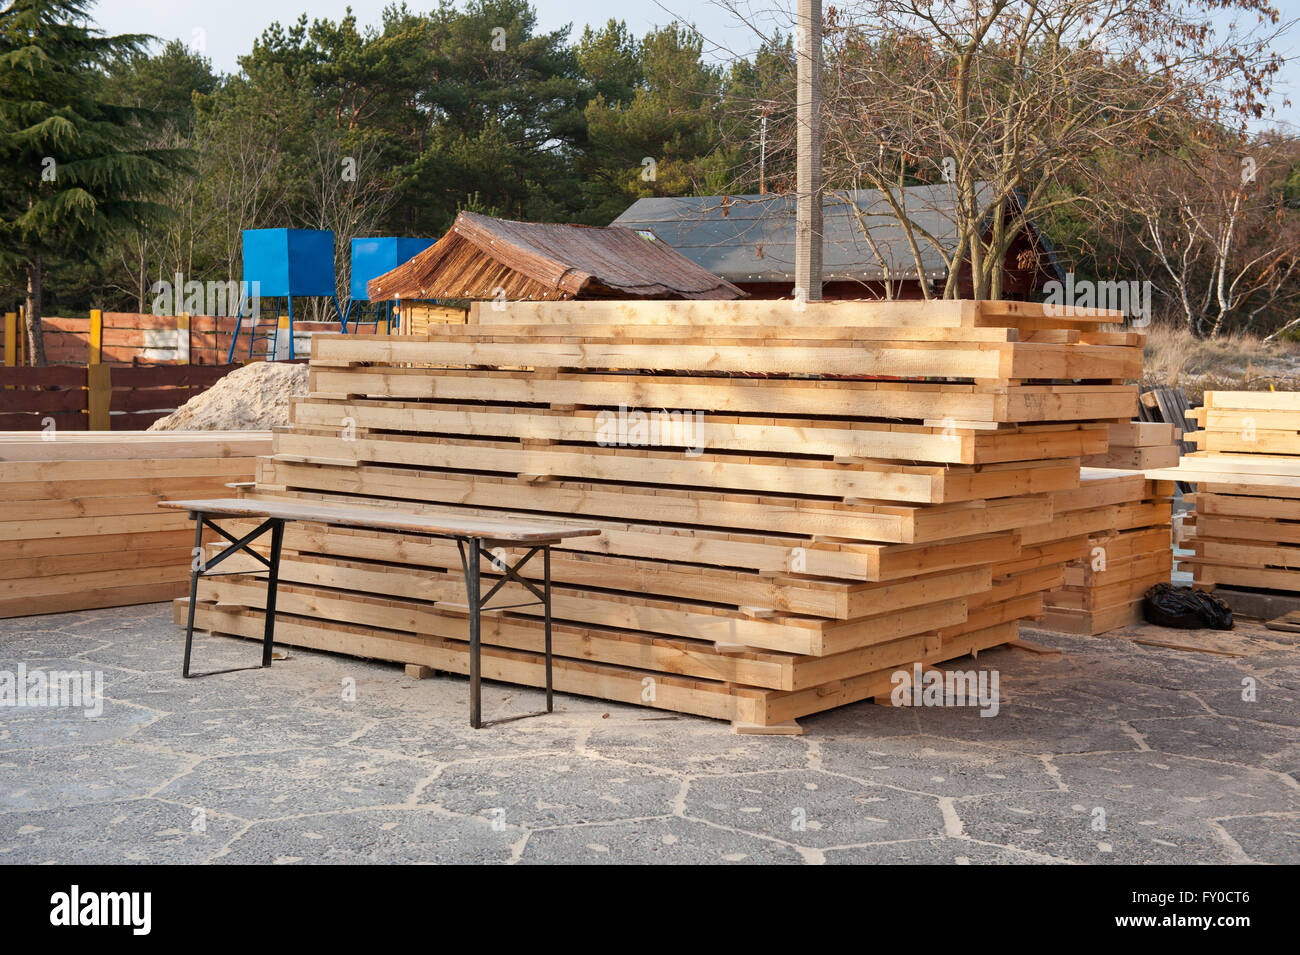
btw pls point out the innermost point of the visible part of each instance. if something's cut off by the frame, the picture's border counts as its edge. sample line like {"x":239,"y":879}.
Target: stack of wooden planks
{"x":796,"y":501}
{"x":1130,"y":546}
{"x":416,"y":317}
{"x":1139,"y":446}
{"x":1129,"y":550}
{"x":1246,"y":528}
{"x":81,"y":526}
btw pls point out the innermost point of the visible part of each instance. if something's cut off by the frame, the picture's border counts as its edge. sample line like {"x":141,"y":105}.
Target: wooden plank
{"x":791,"y":594}
{"x":715,"y":315}
{"x":135,"y":449}
{"x":1137,"y":459}
{"x":447,"y":523}
{"x":1252,"y":400}
{"x":879,"y":482}
{"x":841,"y":398}
{"x":696,"y":432}
{"x":900,"y":359}
{"x":714,"y":623}
{"x":91,"y":599}
{"x":1141,"y":434}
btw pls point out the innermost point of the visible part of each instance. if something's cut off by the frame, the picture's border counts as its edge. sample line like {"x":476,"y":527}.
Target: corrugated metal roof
{"x":480,"y":256}
{"x":751,"y":238}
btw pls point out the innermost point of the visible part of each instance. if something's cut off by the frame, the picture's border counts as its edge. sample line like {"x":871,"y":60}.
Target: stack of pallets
{"x":81,"y":526}
{"x":1246,"y":529}
{"x":795,"y":502}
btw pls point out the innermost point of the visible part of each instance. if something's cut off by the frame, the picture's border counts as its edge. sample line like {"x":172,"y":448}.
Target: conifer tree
{"x":75,"y":169}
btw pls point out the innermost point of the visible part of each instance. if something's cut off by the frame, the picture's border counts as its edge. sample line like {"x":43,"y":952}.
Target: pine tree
{"x":75,"y":168}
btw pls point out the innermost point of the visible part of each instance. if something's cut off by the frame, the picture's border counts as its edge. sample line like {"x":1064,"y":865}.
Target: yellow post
{"x":283,"y":339}
{"x":183,"y":338}
{"x":99,"y":384}
{"x":22,"y":335}
{"x":96,"y":338}
{"x":11,"y":339}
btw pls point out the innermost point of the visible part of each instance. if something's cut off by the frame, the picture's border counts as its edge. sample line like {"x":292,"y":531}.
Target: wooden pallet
{"x":799,"y":529}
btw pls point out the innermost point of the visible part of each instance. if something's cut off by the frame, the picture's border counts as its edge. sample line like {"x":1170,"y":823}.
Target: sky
{"x":225,"y":29}
{"x":230,"y":26}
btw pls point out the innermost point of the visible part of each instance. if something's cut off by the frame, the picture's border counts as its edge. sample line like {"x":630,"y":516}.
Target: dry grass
{"x":1231,"y":363}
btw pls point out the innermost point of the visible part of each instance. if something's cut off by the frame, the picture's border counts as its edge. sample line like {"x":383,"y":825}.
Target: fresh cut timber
{"x":1246,"y":528}
{"x":794,"y":502}
{"x":81,"y":527}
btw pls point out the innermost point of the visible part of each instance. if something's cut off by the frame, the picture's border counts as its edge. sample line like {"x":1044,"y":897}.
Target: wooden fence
{"x":129,"y":338}
{"x":99,"y":397}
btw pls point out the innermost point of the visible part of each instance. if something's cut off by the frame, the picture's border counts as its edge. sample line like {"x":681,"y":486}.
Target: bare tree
{"x":349,"y":196}
{"x":1214,"y":219}
{"x":1003,"y":99}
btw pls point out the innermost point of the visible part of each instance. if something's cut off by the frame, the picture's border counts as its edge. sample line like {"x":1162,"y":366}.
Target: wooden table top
{"x":447,"y":524}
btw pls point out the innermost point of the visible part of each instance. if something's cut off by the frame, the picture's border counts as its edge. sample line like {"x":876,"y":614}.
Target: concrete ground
{"x":1112,"y":752}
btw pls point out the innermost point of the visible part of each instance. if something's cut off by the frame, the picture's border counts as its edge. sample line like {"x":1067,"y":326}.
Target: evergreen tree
{"x":75,"y":168}
{"x":657,"y":136}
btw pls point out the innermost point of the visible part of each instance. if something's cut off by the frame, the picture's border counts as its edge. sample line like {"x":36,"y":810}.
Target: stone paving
{"x":1111,"y":752}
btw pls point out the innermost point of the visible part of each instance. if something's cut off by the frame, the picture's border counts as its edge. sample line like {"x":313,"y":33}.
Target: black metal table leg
{"x":475,"y":607}
{"x":196,"y":570}
{"x":272,"y":584}
{"x":202,"y":567}
{"x":546,"y":600}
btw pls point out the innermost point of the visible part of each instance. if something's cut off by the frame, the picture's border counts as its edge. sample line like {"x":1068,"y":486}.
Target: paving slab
{"x":258,"y":786}
{"x":323,"y":758}
{"x":813,"y":808}
{"x":670,"y":841}
{"x":44,"y":777}
{"x":1070,"y":826}
{"x":115,"y":833}
{"x":370,"y":837}
{"x":549,"y":789}
{"x":939,"y":767}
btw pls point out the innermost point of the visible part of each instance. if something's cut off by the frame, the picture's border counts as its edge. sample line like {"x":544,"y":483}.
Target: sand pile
{"x":254,"y":398}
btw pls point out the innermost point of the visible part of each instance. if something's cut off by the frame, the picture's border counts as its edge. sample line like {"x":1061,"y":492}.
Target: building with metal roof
{"x":749,"y":241}
{"x":483,"y":258}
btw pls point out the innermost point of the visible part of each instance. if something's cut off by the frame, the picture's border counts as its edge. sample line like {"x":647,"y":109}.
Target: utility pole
{"x":808,"y":174}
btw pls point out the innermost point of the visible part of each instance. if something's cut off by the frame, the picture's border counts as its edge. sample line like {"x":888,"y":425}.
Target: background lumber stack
{"x":81,"y":526}
{"x":1139,"y":446}
{"x":1103,"y":589}
{"x":1246,"y":529}
{"x":1129,"y":550}
{"x":834,"y":492}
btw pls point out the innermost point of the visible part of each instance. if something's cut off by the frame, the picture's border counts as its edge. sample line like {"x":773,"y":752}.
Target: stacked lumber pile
{"x":833,"y":493}
{"x":416,"y":317}
{"x":1246,"y":529}
{"x":1139,"y":446}
{"x":1129,"y":517}
{"x":1129,"y":550}
{"x":81,"y":526}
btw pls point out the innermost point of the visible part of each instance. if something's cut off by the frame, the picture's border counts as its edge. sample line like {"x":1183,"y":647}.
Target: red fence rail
{"x":99,"y":397}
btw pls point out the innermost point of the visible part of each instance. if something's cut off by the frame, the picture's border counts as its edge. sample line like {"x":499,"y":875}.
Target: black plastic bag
{"x":1185,"y":609}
